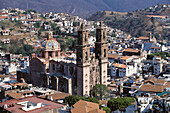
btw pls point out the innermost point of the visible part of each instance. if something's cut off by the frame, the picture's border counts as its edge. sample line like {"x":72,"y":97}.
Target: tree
{"x":3,"y":28}
{"x":31,"y":10}
{"x":161,"y":54}
{"x":75,"y":23}
{"x":120,"y":103}
{"x":100,"y":90}
{"x":13,"y":11}
{"x":71,"y":100}
{"x":28,"y":49}
{"x":107,"y":109}
{"x":168,"y":55}
{"x":112,"y":13}
{"x":53,"y":26}
{"x":37,"y":25}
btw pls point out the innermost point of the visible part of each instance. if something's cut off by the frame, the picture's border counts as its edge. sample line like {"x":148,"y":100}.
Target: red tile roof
{"x":155,"y":81}
{"x":119,"y":65}
{"x":17,"y":108}
{"x":142,"y":38}
{"x":125,"y":57}
{"x":3,"y":17}
{"x":152,"y":88}
{"x":112,"y":56}
{"x":131,"y":50}
{"x":86,"y":107}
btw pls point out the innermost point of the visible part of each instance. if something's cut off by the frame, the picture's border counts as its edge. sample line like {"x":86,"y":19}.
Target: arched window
{"x":56,"y":53}
{"x":85,"y":38}
{"x":86,"y":56}
{"x":104,"y":52}
{"x":104,"y":36}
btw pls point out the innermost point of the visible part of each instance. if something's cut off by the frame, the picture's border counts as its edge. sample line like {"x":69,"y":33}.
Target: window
{"x":104,"y":52}
{"x":56,"y":53}
{"x":50,"y":54}
{"x":53,"y":65}
{"x":86,"y":56}
{"x":104,"y":36}
{"x":85,"y":38}
{"x":80,"y":39}
{"x":71,"y":70}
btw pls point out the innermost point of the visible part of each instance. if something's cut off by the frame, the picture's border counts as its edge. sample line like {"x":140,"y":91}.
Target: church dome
{"x":50,"y":44}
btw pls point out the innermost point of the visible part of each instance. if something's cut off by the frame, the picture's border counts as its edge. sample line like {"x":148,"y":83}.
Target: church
{"x":52,"y":70}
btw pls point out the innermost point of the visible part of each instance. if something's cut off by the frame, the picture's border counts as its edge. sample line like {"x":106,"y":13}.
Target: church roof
{"x":50,"y":43}
{"x":147,"y":46}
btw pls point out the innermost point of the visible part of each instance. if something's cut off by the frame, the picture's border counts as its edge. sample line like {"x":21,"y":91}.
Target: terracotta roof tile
{"x":17,"y":108}
{"x":142,"y":38}
{"x":101,"y":102}
{"x":125,"y":57}
{"x":155,"y":48}
{"x":131,"y":50}
{"x":151,"y":88}
{"x":86,"y":107}
{"x":155,"y":81}
{"x":3,"y":17}
{"x":56,"y":96}
{"x":120,"y":65}
{"x":112,"y":56}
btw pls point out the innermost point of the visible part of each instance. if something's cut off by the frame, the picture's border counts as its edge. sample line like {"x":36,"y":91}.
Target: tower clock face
{"x":49,"y":44}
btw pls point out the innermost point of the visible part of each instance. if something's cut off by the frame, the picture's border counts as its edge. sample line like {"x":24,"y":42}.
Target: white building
{"x":144,"y":104}
{"x":126,"y":59}
{"x":121,"y":70}
{"x":157,"y":65}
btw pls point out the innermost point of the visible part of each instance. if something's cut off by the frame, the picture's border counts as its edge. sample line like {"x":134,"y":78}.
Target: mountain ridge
{"x":82,"y":8}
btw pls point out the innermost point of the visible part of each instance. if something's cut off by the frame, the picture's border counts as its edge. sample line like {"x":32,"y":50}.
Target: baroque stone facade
{"x":72,"y":76}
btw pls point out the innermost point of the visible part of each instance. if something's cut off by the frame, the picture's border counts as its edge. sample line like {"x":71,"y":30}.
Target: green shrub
{"x":119,"y":103}
{"x":71,"y":100}
{"x":107,"y":109}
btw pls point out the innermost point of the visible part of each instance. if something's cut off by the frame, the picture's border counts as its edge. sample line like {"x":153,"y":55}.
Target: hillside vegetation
{"x":138,"y":23}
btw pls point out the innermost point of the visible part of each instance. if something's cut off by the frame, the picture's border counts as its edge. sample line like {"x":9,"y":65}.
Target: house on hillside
{"x":5,"y":32}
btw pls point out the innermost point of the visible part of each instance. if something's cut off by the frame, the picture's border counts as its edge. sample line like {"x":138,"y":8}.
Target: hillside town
{"x":58,"y":63}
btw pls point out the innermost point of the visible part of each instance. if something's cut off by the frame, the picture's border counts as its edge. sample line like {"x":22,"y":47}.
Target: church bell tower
{"x":101,"y":52}
{"x":83,"y":62}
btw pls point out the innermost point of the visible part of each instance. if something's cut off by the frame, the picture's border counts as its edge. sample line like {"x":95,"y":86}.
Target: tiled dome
{"x":50,"y":44}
